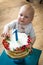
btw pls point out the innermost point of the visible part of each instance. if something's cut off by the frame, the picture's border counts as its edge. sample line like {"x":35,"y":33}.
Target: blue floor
{"x":31,"y":59}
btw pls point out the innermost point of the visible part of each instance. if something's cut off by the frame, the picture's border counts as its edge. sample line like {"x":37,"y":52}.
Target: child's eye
{"x":21,"y":15}
{"x":26,"y":16}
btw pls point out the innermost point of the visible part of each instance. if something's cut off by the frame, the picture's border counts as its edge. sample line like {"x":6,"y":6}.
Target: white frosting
{"x":22,"y":40}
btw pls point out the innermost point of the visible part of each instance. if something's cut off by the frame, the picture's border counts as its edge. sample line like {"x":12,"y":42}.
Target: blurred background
{"x":9,"y":11}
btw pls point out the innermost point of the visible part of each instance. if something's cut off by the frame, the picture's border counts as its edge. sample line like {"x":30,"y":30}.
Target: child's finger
{"x":7,"y":35}
{"x":3,"y":35}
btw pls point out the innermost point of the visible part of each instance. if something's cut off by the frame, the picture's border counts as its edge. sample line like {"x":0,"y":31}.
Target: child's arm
{"x":7,"y":28}
{"x":32,"y":35}
{"x":6,"y":31}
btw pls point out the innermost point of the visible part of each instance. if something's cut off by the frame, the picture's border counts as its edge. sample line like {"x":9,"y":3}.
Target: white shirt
{"x":28,"y":29}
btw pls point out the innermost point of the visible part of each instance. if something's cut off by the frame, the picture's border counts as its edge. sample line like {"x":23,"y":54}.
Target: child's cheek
{"x":19,"y":19}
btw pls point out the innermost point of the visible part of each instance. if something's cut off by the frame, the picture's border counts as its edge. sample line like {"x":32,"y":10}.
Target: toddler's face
{"x":25,"y":16}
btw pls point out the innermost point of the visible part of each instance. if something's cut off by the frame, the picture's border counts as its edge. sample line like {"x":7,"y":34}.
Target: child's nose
{"x":22,"y":17}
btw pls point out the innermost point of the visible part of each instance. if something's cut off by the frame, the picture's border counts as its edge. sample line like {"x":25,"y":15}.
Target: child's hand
{"x":30,"y":47}
{"x":5,"y":35}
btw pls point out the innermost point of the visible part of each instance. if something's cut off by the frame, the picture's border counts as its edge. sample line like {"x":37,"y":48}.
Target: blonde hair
{"x":30,"y":8}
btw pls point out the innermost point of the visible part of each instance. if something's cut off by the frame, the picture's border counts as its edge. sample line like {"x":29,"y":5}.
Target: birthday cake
{"x":17,"y":47}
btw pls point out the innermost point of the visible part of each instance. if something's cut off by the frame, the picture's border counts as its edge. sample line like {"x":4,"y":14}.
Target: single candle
{"x":16,"y":35}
